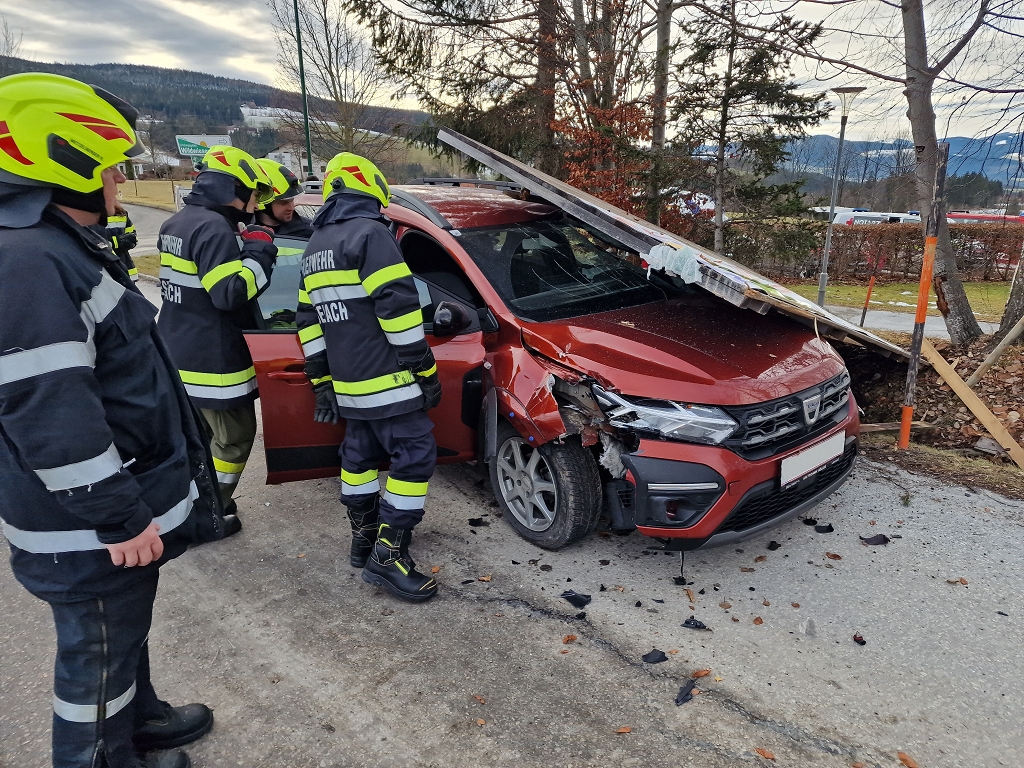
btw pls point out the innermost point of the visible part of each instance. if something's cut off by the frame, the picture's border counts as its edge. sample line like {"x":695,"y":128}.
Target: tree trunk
{"x":660,"y":107}
{"x":546,"y":156}
{"x":723,"y":135}
{"x":1015,"y":304}
{"x":949,"y":290}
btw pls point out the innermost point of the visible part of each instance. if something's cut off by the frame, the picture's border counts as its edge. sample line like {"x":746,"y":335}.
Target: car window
{"x":277,"y":303}
{"x":432,"y":295}
{"x":428,"y":260}
{"x":554,"y":269}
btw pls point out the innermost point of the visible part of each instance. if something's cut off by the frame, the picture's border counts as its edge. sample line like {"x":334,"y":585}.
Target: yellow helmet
{"x":242,"y":166}
{"x":55,"y":131}
{"x":285,"y":183}
{"x":351,"y":173}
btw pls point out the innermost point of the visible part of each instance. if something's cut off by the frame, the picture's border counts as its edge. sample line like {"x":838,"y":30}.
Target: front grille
{"x":772,"y":502}
{"x":779,"y":425}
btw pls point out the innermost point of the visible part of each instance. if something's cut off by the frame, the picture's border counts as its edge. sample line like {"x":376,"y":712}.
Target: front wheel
{"x":550,"y":494}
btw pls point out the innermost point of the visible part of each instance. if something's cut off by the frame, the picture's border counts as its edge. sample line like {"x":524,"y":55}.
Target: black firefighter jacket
{"x":358,"y":303}
{"x":208,"y":283}
{"x":97,"y":436}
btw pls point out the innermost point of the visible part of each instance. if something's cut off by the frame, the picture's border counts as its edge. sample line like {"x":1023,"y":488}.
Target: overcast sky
{"x":234,"y":38}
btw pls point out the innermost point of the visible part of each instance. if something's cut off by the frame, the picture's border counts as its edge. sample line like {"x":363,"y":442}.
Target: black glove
{"x":326,"y":409}
{"x":425,"y":371}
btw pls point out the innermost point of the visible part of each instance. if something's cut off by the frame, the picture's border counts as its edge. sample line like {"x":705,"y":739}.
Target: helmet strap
{"x":92,"y":202}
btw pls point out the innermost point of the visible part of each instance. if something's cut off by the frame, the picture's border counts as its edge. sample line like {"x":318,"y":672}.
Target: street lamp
{"x":846,"y":97}
{"x":302,"y":87}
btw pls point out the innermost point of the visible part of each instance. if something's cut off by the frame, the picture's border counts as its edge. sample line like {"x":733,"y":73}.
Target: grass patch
{"x":148,"y":265}
{"x":987,"y":299}
{"x":155,"y":193}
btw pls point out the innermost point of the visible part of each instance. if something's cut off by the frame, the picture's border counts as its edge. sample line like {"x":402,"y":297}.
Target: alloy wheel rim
{"x":527,"y":484}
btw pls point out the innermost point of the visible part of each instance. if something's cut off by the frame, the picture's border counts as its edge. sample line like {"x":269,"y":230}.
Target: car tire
{"x":550,"y":494}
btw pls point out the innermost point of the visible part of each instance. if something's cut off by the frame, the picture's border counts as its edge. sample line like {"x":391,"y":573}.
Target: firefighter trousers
{"x":232,"y":433}
{"x":101,"y":687}
{"x":407,"y":442}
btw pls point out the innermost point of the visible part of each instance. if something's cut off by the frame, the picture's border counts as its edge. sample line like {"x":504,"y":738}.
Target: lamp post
{"x":302,"y":87}
{"x":846,"y":96}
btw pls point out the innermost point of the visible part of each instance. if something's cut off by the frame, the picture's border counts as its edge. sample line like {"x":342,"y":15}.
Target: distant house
{"x":293,"y":156}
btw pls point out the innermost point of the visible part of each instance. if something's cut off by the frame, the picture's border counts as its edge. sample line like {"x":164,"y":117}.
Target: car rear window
{"x":556,"y":269}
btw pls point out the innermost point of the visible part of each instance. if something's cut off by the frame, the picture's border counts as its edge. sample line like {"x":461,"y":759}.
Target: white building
{"x":293,"y":156}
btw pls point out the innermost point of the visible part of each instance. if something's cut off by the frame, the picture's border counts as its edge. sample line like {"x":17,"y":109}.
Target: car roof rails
{"x":451,"y":182}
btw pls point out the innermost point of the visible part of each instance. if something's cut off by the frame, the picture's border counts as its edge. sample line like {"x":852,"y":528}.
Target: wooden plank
{"x":893,"y":426}
{"x":972,"y":401}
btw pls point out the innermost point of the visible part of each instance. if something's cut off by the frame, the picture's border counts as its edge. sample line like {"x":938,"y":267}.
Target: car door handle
{"x":292,"y":377}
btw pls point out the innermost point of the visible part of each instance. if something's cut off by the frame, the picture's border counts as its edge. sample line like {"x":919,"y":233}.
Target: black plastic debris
{"x":478,"y":522}
{"x":658,"y":601}
{"x":773,"y":545}
{"x":686,"y":692}
{"x":604,"y":562}
{"x":1003,"y":614}
{"x":859,"y":640}
{"x":809,"y":521}
{"x":638,"y":604}
{"x":545,"y":567}
{"x":700,"y":592}
{"x":581,"y":615}
{"x":655,"y":657}
{"x":878,"y":538}
{"x":515,"y":562}
{"x":692,"y":623}
{"x":575,"y":599}
{"x":824,"y":528}
{"x":569,"y":579}
{"x":603,"y":588}
{"x":533,"y":562}
{"x":897,"y":536}
{"x":468,"y":581}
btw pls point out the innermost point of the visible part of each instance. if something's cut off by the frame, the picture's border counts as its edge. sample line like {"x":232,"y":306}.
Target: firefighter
{"x":279,"y":213}
{"x":120,"y":231}
{"x":104,"y":469}
{"x":208,"y":283}
{"x":361,"y":330}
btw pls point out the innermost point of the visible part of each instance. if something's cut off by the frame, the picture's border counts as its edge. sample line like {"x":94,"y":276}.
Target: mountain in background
{"x":174,"y":94}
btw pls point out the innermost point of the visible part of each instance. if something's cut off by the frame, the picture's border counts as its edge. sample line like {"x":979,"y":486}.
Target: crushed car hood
{"x":707,"y":353}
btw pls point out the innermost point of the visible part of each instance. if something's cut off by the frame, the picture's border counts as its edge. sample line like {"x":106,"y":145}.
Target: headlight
{"x":676,"y":421}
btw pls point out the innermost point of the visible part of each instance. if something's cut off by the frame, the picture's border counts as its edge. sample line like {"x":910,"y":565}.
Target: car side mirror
{"x":450,"y":318}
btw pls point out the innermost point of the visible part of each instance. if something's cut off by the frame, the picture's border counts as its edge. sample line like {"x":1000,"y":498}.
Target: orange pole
{"x":867,"y":299}
{"x":927,"y":268}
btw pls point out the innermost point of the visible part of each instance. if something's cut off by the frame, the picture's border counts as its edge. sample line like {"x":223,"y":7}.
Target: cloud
{"x":232,"y":38}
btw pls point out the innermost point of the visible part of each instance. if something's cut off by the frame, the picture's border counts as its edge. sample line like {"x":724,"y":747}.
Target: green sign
{"x":199,"y":145}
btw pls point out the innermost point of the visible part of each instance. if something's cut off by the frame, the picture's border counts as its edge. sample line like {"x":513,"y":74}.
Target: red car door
{"x":298,"y":448}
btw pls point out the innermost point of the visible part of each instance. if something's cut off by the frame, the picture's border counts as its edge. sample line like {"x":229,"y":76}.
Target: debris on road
{"x":833,"y":556}
{"x":760,"y":558}
{"x":809,"y":521}
{"x":808,"y":627}
{"x":700,"y":673}
{"x":480,"y":699}
{"x":907,"y":760}
{"x":478,"y":522}
{"x":435,"y":569}
{"x":692,"y":623}
{"x":686,"y":692}
{"x":765,"y":753}
{"x":859,"y":640}
{"x":773,"y":545}
{"x":795,"y":605}
{"x":878,"y":538}
{"x":726,"y":606}
{"x":575,"y":599}
{"x":625,"y":729}
{"x":545,"y":567}
{"x":569,"y":639}
{"x":957,"y":581}
{"x":824,"y":528}
{"x":758,"y":620}
{"x":484,"y":578}
{"x":468,"y":581}
{"x":655,"y":657}
{"x":481,"y":721}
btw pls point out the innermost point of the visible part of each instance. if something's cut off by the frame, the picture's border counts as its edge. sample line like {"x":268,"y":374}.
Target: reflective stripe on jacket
{"x":97,"y":436}
{"x":208,"y":283}
{"x":358,"y":303}
{"x":120,"y":231}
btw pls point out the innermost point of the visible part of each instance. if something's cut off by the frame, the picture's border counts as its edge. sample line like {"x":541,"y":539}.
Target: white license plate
{"x":796,"y":466}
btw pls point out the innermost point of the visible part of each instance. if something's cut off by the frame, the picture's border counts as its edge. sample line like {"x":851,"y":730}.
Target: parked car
{"x":581,"y":382}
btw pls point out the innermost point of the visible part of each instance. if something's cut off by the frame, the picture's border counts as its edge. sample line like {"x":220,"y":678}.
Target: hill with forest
{"x":206,"y":103}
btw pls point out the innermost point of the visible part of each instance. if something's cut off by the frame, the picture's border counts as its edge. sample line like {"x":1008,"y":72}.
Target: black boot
{"x":232,"y":524}
{"x":391,"y":567}
{"x":364,"y":518}
{"x":175,"y":759}
{"x":177,"y":726}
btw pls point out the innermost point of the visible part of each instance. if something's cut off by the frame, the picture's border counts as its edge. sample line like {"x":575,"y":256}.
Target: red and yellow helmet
{"x":348,"y":172}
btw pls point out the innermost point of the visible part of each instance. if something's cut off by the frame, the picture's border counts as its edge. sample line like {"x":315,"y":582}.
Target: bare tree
{"x":10,"y":41}
{"x":966,"y":49}
{"x":347,"y":87}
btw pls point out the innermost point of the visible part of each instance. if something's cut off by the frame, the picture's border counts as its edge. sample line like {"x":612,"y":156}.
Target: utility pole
{"x":302,"y":86}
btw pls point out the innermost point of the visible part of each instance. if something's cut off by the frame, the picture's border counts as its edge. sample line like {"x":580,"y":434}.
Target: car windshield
{"x":553,"y":269}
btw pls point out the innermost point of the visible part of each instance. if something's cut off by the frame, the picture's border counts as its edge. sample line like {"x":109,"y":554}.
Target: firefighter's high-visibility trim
{"x":377,"y":384}
{"x":53,"y":357}
{"x":331,"y":277}
{"x":178,"y":264}
{"x":402,"y":568}
{"x":303,"y":297}
{"x":429,"y":372}
{"x":379,"y":399}
{"x":337,"y":293}
{"x":228,"y":473}
{"x":404,"y":502}
{"x":90,"y":713}
{"x":217,"y":379}
{"x":406,"y":337}
{"x":105,"y":297}
{"x":314,"y":347}
{"x":230,"y":269}
{"x":312,"y":332}
{"x":133,"y":273}
{"x":406,"y":488}
{"x":81,"y":473}
{"x":403,"y":323}
{"x":178,"y":278}
{"x":221,"y":393}
{"x":359,"y":483}
{"x":257,"y":271}
{"x":312,"y":340}
{"x":320,"y":380}
{"x":55,"y":542}
{"x":386,"y":275}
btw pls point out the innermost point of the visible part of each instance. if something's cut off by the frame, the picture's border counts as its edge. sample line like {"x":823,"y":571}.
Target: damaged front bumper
{"x":704,"y":496}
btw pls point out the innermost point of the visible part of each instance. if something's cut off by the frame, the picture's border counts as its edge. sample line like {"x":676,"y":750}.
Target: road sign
{"x":197,"y":145}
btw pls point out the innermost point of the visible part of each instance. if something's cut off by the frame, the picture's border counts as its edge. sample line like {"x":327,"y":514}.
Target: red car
{"x":583,"y":383}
